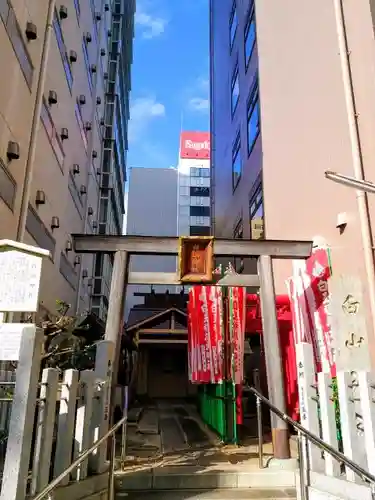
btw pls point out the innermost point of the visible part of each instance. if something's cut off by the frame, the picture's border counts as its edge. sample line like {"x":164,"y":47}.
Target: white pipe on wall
{"x":361,"y":196}
{"x":29,"y":170}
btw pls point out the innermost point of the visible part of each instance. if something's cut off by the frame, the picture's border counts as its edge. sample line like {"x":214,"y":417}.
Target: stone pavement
{"x":171,"y":454}
{"x":237,"y":494}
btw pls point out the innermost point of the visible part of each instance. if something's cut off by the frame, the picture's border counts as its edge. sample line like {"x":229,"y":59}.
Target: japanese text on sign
{"x":197,"y":264}
{"x":19,"y":284}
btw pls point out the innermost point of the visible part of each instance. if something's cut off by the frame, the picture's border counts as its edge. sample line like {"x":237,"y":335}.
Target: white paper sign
{"x":10,"y":340}
{"x":19,"y":281}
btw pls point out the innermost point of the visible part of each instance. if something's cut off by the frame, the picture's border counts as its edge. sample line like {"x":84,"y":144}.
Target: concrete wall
{"x":93,"y":488}
{"x":304,"y":123}
{"x":331,"y":488}
{"x":152,"y":211}
{"x":54,"y":158}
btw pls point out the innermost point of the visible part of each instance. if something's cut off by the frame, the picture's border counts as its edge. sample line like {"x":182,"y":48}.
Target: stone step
{"x":149,"y":422}
{"x":193,"y":478}
{"x":220,"y":494}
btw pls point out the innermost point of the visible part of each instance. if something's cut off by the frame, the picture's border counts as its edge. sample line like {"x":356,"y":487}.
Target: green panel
{"x":217,"y":407}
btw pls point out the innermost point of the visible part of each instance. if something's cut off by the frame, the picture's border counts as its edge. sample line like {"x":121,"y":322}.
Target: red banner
{"x":205,"y":331}
{"x":309,"y":295}
{"x":318,"y":270}
{"x":215,"y":316}
{"x":237,"y":323}
{"x":193,"y":338}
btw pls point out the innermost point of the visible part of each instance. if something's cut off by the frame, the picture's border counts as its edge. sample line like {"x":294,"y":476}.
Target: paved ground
{"x":173,"y":434}
{"x":165,"y":429}
{"x":233,"y":494}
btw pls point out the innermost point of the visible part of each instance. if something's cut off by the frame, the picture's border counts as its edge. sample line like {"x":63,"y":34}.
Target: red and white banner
{"x":237,"y":324}
{"x":205,"y":334}
{"x":309,"y":296}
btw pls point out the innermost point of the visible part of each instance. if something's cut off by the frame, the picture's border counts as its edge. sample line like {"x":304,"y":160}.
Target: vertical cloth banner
{"x":195,"y":361}
{"x":309,"y":296}
{"x":214,"y":299}
{"x":205,"y":334}
{"x":237,"y":324}
{"x":190,"y":340}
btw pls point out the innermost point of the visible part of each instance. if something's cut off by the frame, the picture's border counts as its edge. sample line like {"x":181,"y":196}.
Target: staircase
{"x":192,"y":483}
{"x":193,"y":465}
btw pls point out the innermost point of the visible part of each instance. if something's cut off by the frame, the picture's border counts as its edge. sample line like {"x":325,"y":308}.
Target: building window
{"x":200,"y":201}
{"x":250,"y":36}
{"x":200,"y":231}
{"x":236,"y":162}
{"x":199,"y":220}
{"x":199,"y":191}
{"x":41,"y":235}
{"x":87,"y":64}
{"x":199,"y":172}
{"x":200,"y":211}
{"x":238,"y":235}
{"x":63,"y":51}
{"x":235,"y":89}
{"x":8,"y":186}
{"x":233,"y":23}
{"x":14,"y":33}
{"x":68,"y":271}
{"x":256,"y":215}
{"x":52,"y":134}
{"x":253,"y":117}
{"x":81,"y":126}
{"x":200,"y":182}
{"x":78,"y":9}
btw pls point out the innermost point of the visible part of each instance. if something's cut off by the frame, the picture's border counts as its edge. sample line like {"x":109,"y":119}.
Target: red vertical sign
{"x":205,"y":330}
{"x":318,"y":270}
{"x":215,"y":316}
{"x":237,"y":322}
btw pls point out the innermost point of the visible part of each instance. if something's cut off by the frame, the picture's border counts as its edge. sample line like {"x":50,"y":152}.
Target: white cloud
{"x":199,"y":100}
{"x":204,"y":84}
{"x":142,"y":111}
{"x":199,"y":104}
{"x":151,"y":25}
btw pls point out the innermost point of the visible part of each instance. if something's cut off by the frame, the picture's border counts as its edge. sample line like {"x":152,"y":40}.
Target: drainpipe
{"x":21,"y":228}
{"x":363,"y":212}
{"x":89,"y":158}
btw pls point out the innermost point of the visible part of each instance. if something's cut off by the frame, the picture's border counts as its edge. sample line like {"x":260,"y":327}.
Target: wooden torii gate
{"x":123,"y":247}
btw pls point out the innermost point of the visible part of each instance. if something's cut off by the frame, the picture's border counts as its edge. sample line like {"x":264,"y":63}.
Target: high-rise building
{"x":194,"y":184}
{"x":292,"y":96}
{"x":152,"y":211}
{"x":111,"y":207}
{"x":58,"y":190}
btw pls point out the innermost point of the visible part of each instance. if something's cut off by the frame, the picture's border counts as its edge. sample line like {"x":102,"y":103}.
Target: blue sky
{"x":169,"y":79}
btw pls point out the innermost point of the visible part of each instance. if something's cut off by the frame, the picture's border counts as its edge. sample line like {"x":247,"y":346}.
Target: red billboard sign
{"x":195,"y":145}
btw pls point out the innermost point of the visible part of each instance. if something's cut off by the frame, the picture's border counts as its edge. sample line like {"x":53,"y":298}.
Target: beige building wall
{"x":304,"y":127}
{"x":53,"y":173}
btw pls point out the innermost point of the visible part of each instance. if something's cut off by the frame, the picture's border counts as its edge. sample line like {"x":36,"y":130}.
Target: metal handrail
{"x":309,"y":436}
{"x":110,"y":434}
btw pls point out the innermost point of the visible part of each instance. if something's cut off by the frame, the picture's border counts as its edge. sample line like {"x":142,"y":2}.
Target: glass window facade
{"x":235,"y":112}
{"x":256,"y":214}
{"x":115,"y":144}
{"x":236,"y":162}
{"x":235,"y":89}
{"x":250,"y":35}
{"x":253,"y":116}
{"x":194,"y":198}
{"x":63,"y":51}
{"x":233,"y":23}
